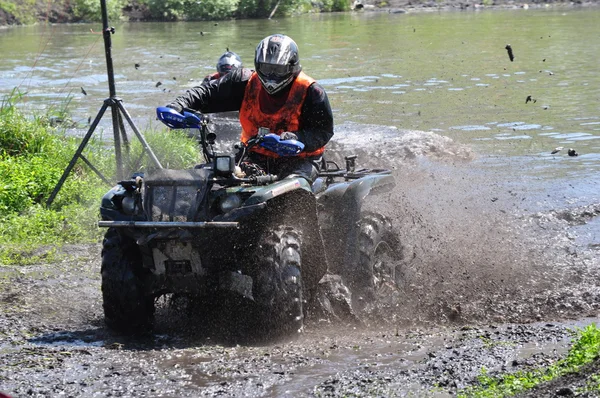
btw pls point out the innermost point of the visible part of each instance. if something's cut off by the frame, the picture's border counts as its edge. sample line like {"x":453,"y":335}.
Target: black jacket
{"x":226,"y":94}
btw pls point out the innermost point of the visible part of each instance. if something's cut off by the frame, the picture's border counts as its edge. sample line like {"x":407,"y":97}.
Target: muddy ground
{"x":488,"y":282}
{"x":54,"y":344}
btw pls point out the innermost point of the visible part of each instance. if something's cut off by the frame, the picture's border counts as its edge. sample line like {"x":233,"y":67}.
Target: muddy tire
{"x":126,"y":308}
{"x":277,"y":283}
{"x":374,"y":272}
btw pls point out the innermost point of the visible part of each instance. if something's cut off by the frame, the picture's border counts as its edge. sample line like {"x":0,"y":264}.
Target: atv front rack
{"x":331,"y":169}
{"x":168,"y":224}
{"x":354,"y":175}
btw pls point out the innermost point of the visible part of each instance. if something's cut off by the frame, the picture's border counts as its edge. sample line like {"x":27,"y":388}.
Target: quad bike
{"x":228,"y":229}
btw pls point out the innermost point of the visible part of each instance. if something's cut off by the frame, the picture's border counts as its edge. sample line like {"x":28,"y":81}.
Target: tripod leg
{"x":78,"y":153}
{"x":126,"y":146}
{"x":124,"y":137}
{"x":139,"y":135}
{"x":117,"y":139}
{"x":95,"y":170}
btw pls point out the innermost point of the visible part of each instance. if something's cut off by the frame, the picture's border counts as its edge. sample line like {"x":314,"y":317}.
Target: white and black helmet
{"x":228,"y":61}
{"x":277,"y":63}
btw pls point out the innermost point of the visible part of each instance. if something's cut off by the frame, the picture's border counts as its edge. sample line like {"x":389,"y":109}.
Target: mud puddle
{"x":496,"y":274}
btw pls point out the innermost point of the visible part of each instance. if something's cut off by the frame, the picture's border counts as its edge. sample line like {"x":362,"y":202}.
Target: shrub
{"x":23,"y":11}
{"x":167,"y":10}
{"x":91,"y":10}
{"x":211,"y":9}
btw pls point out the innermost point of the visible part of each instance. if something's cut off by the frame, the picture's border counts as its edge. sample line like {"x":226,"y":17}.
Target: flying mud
{"x":475,"y":249}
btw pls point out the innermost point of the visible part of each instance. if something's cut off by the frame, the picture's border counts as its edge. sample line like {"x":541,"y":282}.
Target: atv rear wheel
{"x":126,"y":308}
{"x":373,"y":273}
{"x":277,"y":282}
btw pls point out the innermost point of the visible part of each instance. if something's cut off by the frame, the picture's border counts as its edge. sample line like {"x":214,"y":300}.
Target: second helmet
{"x":228,"y":61}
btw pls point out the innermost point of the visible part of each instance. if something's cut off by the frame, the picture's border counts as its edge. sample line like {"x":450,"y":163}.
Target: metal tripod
{"x":118,"y":111}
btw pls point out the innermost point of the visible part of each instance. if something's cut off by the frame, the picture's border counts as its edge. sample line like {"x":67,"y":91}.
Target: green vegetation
{"x":227,"y":9}
{"x":592,"y":386}
{"x":33,"y":156}
{"x":90,"y":10}
{"x":585,"y":349}
{"x":24,"y":11}
{"x":30,"y":11}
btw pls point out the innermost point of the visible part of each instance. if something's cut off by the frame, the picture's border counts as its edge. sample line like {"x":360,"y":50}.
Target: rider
{"x":278,"y":96}
{"x":225,"y":64}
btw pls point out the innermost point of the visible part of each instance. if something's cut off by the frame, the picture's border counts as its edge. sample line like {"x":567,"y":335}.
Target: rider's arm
{"x":316,"y":121}
{"x":219,"y":95}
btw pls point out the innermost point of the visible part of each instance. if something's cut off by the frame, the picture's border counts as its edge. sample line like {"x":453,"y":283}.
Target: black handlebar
{"x":264,"y":180}
{"x":254,"y":180}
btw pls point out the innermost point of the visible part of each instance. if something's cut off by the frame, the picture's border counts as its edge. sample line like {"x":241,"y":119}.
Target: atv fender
{"x":111,"y":208}
{"x":340,"y":207}
{"x":347,"y":198}
{"x":264,"y":199}
{"x":279,"y":188}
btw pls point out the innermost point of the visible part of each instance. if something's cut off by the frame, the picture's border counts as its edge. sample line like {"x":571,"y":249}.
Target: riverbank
{"x":399,"y":6}
{"x":62,"y":12}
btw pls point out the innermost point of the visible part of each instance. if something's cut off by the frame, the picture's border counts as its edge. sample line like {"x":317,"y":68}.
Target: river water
{"x":448,"y":73}
{"x":437,"y":84}
{"x":495,"y":227}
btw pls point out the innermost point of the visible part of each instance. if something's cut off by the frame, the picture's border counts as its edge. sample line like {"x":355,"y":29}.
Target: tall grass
{"x":33,"y":157}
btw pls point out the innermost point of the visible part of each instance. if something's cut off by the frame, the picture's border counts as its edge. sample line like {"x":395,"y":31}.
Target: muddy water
{"x":447,"y":73}
{"x":495,"y":228}
{"x":442,"y":72}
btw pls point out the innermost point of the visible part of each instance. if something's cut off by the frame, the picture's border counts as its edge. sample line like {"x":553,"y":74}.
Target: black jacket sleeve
{"x":218,"y":95}
{"x":316,"y":120}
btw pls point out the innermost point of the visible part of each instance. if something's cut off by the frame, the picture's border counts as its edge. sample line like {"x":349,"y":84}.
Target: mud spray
{"x":475,"y":250}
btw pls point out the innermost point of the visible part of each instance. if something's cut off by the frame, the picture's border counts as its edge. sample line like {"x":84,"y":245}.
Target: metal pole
{"x":106,"y":32}
{"x":107,"y":49}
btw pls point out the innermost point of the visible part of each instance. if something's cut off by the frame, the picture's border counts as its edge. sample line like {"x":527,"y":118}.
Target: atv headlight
{"x":224,"y":165}
{"x":230,"y":202}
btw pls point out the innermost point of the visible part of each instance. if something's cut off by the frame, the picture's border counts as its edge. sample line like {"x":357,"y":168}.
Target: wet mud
{"x":490,"y":278}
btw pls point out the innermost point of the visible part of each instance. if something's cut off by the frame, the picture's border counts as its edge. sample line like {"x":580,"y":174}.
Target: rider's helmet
{"x":276,"y":62}
{"x":228,"y":61}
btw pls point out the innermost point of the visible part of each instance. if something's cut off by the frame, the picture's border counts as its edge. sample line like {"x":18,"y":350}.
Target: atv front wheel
{"x":126,"y":308}
{"x":277,"y":282}
{"x":373,"y":271}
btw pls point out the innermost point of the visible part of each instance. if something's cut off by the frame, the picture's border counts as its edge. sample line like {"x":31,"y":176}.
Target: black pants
{"x":283,"y":167}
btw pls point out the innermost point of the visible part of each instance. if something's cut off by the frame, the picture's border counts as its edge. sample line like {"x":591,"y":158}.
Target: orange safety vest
{"x":286,"y":118}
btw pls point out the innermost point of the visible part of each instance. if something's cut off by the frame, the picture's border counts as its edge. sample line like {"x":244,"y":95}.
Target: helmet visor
{"x":224,"y":69}
{"x":274,"y":70}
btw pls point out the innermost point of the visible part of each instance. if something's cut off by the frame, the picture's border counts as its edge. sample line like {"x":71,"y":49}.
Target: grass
{"x":585,"y":349}
{"x":34,"y":153}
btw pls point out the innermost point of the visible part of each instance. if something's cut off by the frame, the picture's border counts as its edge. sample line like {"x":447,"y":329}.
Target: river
{"x":446,"y":72}
{"x":495,"y":227}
